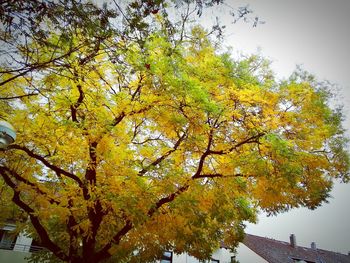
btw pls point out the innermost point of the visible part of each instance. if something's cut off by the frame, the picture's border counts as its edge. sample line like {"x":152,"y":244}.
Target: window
{"x":233,"y":259}
{"x":299,"y":260}
{"x":167,"y":257}
{"x":35,"y":246}
{"x":7,"y":239}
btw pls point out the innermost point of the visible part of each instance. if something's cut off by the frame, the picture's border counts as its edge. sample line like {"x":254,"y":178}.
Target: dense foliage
{"x":135,"y":135}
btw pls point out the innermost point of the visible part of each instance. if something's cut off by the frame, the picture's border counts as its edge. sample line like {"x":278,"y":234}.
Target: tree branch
{"x":167,"y":199}
{"x":34,"y":186}
{"x":72,"y":233}
{"x":214,"y":175}
{"x":164,"y":156}
{"x":118,"y":119}
{"x":204,"y":155}
{"x":19,"y":97}
{"x":90,"y":174}
{"x":198,"y":174}
{"x":44,"y":237}
{"x":92,"y":54}
{"x":36,"y":66}
{"x":104,"y":252}
{"x":76,"y":105}
{"x":252,"y":139}
{"x":138,"y":89}
{"x":128,"y":225}
{"x":95,"y":215}
{"x":54,"y":168}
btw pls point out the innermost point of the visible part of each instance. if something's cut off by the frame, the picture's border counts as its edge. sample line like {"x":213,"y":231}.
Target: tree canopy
{"x":136,"y":135}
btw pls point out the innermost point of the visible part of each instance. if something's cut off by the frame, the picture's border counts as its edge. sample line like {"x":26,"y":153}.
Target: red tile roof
{"x":275,"y":251}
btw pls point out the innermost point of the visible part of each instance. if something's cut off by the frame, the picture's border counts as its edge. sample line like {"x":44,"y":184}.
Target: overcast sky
{"x":316,"y":34}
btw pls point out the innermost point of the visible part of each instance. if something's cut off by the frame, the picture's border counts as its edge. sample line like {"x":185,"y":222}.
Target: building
{"x":222,"y":255}
{"x":17,"y":247}
{"x":274,"y":251}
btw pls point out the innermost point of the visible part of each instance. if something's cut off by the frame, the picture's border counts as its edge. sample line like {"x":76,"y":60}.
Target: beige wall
{"x":223,"y":255}
{"x":10,"y":256}
{"x":245,"y":255}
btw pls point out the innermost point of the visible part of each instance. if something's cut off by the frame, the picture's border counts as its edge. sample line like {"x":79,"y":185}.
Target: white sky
{"x":316,"y":34}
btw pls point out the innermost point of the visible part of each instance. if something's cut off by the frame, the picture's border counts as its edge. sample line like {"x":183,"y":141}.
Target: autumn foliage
{"x":126,"y":148}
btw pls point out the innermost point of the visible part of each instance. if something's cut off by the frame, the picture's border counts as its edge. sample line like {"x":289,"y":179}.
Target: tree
{"x":145,"y":138}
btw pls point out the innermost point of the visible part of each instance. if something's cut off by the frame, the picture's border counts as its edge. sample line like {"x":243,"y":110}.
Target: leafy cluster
{"x":138,"y":137}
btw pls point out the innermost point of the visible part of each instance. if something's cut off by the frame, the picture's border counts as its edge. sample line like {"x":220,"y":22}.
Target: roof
{"x":275,"y":251}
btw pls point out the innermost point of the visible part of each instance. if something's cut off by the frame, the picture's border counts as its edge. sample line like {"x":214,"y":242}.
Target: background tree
{"x":135,"y":135}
